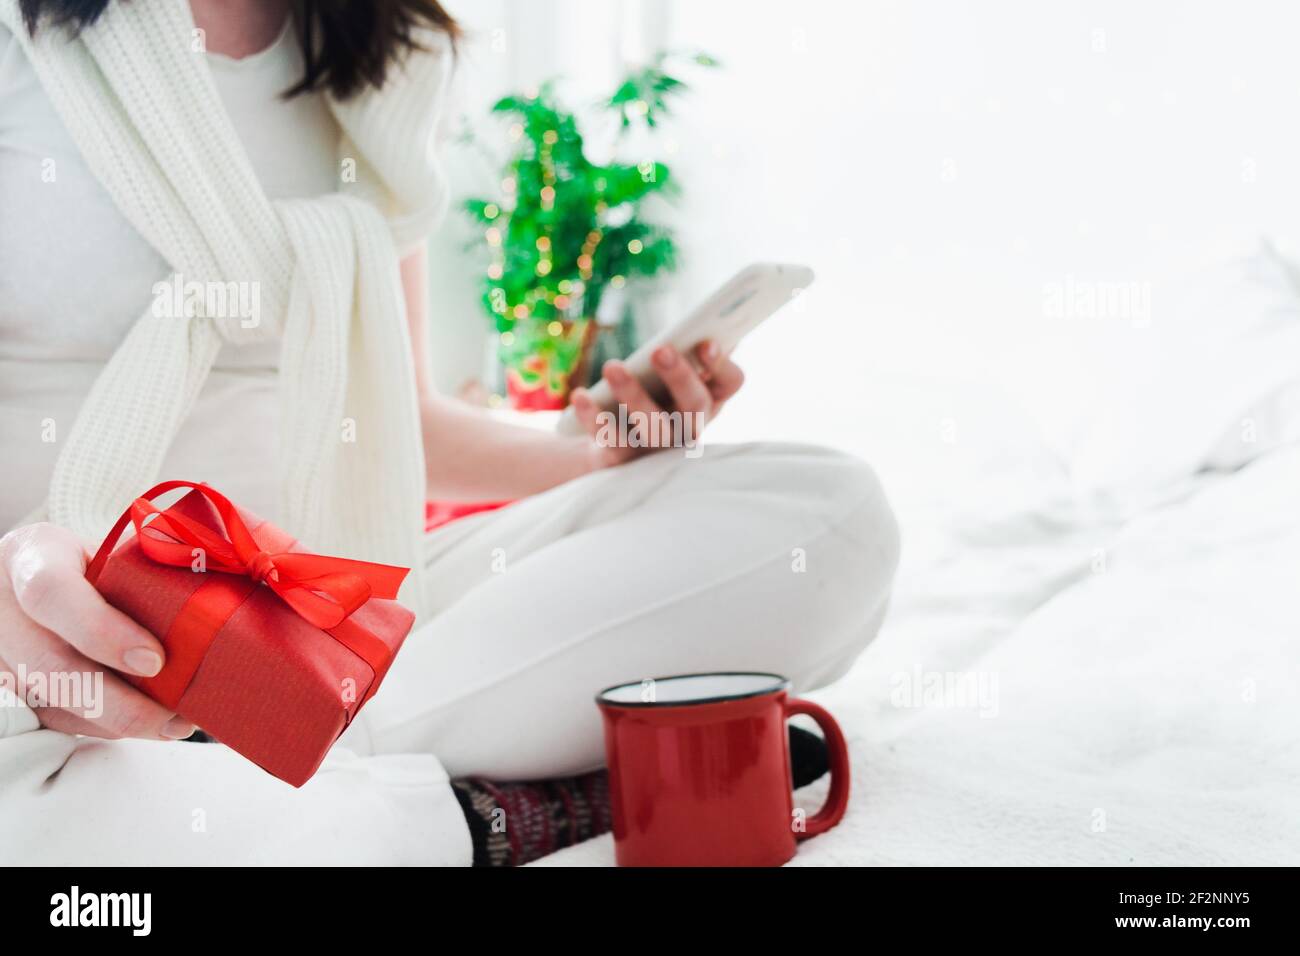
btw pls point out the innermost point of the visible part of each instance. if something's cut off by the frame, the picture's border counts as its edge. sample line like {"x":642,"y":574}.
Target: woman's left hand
{"x":696,"y":398}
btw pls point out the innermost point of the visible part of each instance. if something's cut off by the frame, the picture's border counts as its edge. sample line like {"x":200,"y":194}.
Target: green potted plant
{"x":565,"y":229}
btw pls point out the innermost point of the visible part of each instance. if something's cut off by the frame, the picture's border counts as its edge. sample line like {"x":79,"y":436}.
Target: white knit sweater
{"x":136,"y":95}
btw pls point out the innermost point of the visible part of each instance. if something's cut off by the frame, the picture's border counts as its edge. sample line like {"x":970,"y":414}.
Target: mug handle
{"x":837,"y":800}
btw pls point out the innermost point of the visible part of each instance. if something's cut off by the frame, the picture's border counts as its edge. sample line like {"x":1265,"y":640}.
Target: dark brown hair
{"x":347,"y":45}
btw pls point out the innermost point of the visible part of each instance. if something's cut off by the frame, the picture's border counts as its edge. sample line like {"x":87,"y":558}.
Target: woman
{"x":277,"y":150}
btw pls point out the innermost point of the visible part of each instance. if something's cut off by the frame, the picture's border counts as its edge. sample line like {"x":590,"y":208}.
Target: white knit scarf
{"x":138,"y":98}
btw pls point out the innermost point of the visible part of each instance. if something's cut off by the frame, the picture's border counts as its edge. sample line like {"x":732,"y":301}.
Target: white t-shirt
{"x":75,"y":275}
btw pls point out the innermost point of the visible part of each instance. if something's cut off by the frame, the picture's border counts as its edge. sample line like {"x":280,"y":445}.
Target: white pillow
{"x":1224,"y":351}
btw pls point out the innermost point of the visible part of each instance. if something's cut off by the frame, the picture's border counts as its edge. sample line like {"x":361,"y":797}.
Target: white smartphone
{"x":736,"y":309}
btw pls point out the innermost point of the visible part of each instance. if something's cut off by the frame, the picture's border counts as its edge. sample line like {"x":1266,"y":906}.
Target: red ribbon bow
{"x":322,"y":590}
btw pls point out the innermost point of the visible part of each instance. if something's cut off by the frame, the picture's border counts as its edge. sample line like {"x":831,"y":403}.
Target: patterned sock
{"x":511,"y":824}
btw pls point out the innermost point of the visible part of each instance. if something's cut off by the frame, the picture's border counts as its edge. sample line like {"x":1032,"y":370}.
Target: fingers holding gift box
{"x":271,"y":650}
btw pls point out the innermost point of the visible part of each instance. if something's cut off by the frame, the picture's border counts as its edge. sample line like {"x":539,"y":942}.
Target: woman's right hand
{"x":53,"y":622}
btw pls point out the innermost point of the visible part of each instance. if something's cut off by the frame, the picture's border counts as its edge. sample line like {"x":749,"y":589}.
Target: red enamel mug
{"x":699,"y":770}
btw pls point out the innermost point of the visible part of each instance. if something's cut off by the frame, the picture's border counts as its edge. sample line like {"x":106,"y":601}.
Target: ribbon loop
{"x":323,"y":590}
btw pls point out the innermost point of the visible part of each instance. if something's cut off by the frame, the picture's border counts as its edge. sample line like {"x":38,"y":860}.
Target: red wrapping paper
{"x":245,"y":662}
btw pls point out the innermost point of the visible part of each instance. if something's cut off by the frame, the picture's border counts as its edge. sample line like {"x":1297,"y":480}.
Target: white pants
{"x":763,"y":557}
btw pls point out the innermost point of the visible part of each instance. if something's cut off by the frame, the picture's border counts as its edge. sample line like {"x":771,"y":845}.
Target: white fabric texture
{"x":141,"y":105}
{"x":1139,"y":705}
{"x":502,"y":682}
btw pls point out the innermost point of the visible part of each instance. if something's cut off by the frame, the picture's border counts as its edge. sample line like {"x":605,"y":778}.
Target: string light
{"x":548,"y":194}
{"x":544,"y":267}
{"x":543,"y":244}
{"x":493,"y":236}
{"x":521,"y":312}
{"x":550,"y":137}
{"x":635,"y":246}
{"x":555,"y":328}
{"x":565,"y":286}
{"x":507,"y":339}
{"x":617,"y":282}
{"x":491,"y":211}
{"x":494,"y":271}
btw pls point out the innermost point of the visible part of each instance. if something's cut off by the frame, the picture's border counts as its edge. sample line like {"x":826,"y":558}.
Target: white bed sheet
{"x":1145,"y":665}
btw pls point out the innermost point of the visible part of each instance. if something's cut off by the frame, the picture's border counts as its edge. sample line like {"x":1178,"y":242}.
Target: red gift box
{"x":270,"y":650}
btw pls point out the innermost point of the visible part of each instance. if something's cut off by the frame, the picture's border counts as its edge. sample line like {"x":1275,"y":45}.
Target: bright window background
{"x":938,"y":163}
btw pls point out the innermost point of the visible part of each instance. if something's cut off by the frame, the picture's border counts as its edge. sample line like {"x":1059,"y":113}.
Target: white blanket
{"x":1138,"y":676}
